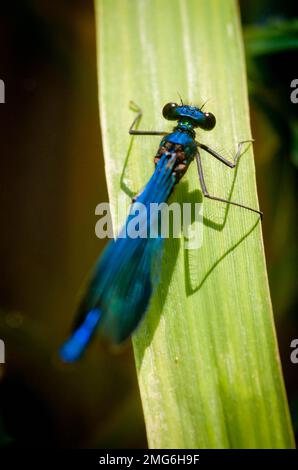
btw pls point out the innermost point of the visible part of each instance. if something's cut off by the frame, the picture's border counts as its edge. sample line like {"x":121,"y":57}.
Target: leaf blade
{"x":206,"y":355}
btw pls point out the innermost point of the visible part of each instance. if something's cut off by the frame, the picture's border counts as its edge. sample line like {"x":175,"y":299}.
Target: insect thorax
{"x":180,"y":145}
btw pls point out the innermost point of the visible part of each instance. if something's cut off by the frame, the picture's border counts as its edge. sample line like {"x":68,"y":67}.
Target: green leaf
{"x":271,"y":38}
{"x":206,"y":355}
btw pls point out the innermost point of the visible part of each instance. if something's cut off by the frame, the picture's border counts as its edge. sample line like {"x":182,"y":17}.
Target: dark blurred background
{"x":52,"y":178}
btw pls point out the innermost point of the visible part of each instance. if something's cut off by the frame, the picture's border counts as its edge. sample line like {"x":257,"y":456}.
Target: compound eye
{"x":168,"y":111}
{"x":209,"y":121}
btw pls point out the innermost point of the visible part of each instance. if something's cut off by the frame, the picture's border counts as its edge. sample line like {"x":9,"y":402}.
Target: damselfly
{"x":126,"y":274}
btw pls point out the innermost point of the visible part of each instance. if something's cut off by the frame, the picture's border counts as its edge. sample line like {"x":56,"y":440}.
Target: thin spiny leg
{"x":220,"y":157}
{"x":133,"y":131}
{"x":215,"y":198}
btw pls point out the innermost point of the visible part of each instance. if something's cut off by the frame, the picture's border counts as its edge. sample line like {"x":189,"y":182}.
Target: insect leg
{"x":215,"y":198}
{"x":136,"y":120}
{"x":220,"y":157}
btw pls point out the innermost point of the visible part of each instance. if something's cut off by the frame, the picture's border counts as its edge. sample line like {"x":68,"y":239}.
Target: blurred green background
{"x":52,"y":177}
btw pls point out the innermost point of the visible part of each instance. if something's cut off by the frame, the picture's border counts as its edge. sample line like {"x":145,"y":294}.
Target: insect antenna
{"x":204,"y":104}
{"x":180,"y":98}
